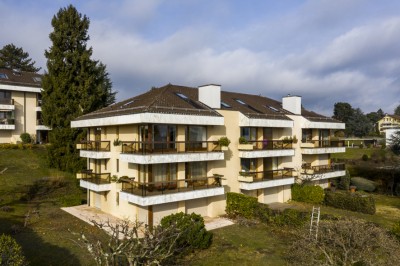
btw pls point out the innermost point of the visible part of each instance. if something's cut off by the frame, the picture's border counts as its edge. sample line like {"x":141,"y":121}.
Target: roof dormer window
{"x":3,"y":76}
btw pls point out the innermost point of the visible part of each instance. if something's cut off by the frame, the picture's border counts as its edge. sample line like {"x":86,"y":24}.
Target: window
{"x":37,"y":79}
{"x":3,"y":76}
{"x":188,"y":100}
{"x":273,"y":108}
{"x":196,"y":170}
{"x":164,"y":172}
{"x":164,"y":136}
{"x":306,"y":135}
{"x":197,"y":136}
{"x":128,"y":103}
{"x":249,"y":133}
{"x":248,"y":165}
{"x":183,"y":96}
{"x":248,"y":106}
{"x":224,"y":104}
{"x":240,"y":101}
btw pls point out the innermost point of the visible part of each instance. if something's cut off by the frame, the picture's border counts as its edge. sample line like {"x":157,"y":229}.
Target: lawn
{"x":46,"y":240}
{"x":354,"y":153}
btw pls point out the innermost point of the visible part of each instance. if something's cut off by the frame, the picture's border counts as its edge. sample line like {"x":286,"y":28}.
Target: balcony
{"x":266,"y":148}
{"x":40,"y":125}
{"x":94,"y":149}
{"x":323,"y":171}
{"x":7,"y":124}
{"x":141,"y":152}
{"x":153,"y":193}
{"x":266,"y":179}
{"x":7,"y":104}
{"x":93,"y":181}
{"x":322,"y":146}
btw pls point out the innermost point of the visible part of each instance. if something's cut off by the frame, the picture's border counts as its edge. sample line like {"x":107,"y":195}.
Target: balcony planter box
{"x":246,"y":178}
{"x":224,"y":148}
{"x":307,"y":145}
{"x":245,"y":146}
{"x":79,"y":146}
{"x":118,"y":148}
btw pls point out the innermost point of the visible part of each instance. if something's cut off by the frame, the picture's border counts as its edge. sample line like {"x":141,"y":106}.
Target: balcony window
{"x":196,"y":170}
{"x":306,"y":135}
{"x":164,"y":172}
{"x":249,"y":133}
{"x":162,"y":136}
{"x":5,"y":97}
{"x":248,"y":165}
{"x":7,"y":118}
{"x":197,"y":136}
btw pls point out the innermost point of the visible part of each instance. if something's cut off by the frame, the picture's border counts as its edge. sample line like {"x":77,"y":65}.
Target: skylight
{"x":37,"y":79}
{"x":240,"y":101}
{"x":183,"y":96}
{"x":224,"y":104}
{"x":128,"y":103}
{"x":3,"y":76}
{"x":273,"y":108}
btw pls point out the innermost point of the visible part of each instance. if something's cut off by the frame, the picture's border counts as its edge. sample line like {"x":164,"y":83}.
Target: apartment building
{"x":162,"y":149}
{"x":388,"y":122}
{"x":20,"y":106}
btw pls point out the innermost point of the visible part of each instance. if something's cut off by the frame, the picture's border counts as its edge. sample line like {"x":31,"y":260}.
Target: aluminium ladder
{"x":314,"y":222}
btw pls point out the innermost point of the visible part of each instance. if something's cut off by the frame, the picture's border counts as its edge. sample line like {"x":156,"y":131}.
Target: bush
{"x":291,"y":217}
{"x":10,"y":252}
{"x":351,"y":201}
{"x":306,"y":193}
{"x":26,"y":138}
{"x":345,"y":181}
{"x":363,"y":184}
{"x":240,"y":205}
{"x":364,"y":157}
{"x":194,"y":234}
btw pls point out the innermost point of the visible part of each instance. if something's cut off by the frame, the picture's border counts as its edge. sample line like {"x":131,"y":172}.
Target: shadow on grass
{"x":35,"y":249}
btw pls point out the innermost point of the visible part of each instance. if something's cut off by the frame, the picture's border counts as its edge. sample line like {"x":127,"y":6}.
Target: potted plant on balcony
{"x":117,"y":143}
{"x":244,"y":144}
{"x":245,"y":176}
{"x":224,"y":142}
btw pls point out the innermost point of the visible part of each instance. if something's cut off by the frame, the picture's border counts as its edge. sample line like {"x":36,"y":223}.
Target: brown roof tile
{"x":21,"y":78}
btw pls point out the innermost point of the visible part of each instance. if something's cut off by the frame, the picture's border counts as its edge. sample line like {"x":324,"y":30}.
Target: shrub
{"x":194,"y":234}
{"x":10,"y":252}
{"x":26,"y":138}
{"x":351,"y":201}
{"x":361,"y":146}
{"x":291,"y":217}
{"x":224,"y":141}
{"x":345,"y":181}
{"x":240,"y":205}
{"x":243,"y":140}
{"x":306,"y":193}
{"x":363,"y":184}
{"x":364,"y":157}
{"x":396,"y":230}
{"x":263,"y":213}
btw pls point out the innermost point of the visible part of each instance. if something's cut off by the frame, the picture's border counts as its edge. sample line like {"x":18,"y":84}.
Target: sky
{"x":325,"y":51}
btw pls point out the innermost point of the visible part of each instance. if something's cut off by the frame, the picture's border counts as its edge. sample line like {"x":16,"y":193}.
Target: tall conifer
{"x":74,"y":85}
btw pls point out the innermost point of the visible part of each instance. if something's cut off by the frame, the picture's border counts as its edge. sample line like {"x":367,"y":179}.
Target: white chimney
{"x":210,"y":95}
{"x":292,"y":104}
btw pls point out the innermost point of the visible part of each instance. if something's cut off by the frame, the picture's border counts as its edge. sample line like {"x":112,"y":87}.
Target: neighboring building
{"x":389,"y":122}
{"x":20,"y":102}
{"x":163,"y":147}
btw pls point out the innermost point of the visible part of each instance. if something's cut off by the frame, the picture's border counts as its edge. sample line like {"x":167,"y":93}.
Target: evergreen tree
{"x":74,"y":85}
{"x":397,"y":110}
{"x":13,"y":57}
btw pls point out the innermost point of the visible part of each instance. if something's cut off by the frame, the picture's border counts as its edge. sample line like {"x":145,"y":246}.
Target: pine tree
{"x":13,"y":57}
{"x":74,"y":85}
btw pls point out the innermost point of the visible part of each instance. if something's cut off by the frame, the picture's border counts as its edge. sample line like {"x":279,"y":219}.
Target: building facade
{"x":20,"y":106}
{"x":389,"y":122}
{"x":158,"y":153}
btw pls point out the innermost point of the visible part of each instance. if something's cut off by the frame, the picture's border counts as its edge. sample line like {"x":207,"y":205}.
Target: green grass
{"x":47,"y":239}
{"x":354,"y":153}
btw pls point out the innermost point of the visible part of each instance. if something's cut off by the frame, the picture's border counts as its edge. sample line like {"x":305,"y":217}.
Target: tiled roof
{"x":22,"y":78}
{"x":166,"y":100}
{"x":157,"y":100}
{"x":314,"y":117}
{"x":254,"y":106}
{"x":397,"y":117}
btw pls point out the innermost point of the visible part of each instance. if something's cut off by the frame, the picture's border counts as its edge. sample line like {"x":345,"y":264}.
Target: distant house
{"x":20,"y":101}
{"x":163,"y":147}
{"x":389,"y":122}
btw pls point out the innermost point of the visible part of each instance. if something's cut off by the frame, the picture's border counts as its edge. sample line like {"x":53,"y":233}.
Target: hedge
{"x":306,"y":193}
{"x":351,"y":201}
{"x":248,"y":207}
{"x":363,"y":184}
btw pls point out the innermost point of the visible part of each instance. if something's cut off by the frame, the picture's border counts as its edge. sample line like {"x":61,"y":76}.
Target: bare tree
{"x":345,"y":242}
{"x":133,"y":244}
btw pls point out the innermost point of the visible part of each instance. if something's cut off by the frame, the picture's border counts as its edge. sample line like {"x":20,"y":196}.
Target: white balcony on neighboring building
{"x":42,"y":127}
{"x":7,"y":127}
{"x":7,"y":107}
{"x":265,"y":153}
{"x":94,"y":187}
{"x":321,"y":172}
{"x":323,"y":150}
{"x":266,"y":184}
{"x":95,"y":154}
{"x":322,"y":147}
{"x":266,"y":148}
{"x":94,"y":149}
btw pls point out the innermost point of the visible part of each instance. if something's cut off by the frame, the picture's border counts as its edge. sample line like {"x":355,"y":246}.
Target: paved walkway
{"x":89,"y":214}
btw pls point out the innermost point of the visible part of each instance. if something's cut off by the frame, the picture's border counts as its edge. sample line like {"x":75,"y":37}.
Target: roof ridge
{"x":157,"y":97}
